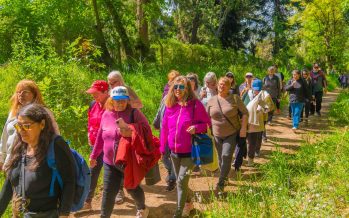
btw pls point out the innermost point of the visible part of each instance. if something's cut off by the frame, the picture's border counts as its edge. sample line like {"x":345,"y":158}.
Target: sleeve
{"x":158,"y":116}
{"x":202,"y":120}
{"x":278,"y":87}
{"x":3,"y":144}
{"x":241,"y":106}
{"x":66,"y":166}
{"x":99,"y":143}
{"x":289,"y":87}
{"x":164,"y":132}
{"x":135,"y":101}
{"x":5,"y":196}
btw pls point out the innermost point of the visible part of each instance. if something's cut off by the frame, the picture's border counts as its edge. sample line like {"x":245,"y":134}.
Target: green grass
{"x":311,"y":183}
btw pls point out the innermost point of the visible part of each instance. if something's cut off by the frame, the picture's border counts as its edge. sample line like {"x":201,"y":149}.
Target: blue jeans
{"x":296,"y":109}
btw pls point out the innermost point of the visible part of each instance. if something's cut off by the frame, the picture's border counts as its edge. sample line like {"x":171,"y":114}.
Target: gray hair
{"x":272,"y":68}
{"x":116,"y":74}
{"x":210,"y":76}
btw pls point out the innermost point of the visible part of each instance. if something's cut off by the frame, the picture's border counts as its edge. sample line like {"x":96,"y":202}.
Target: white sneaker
{"x":294,"y":128}
{"x":189,"y":206}
{"x":142,"y":213}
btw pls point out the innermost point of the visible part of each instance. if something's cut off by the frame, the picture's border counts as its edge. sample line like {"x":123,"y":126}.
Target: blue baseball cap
{"x":119,"y":93}
{"x":257,"y":85}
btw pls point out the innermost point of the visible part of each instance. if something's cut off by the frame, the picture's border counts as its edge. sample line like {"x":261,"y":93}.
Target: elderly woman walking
{"x":224,"y":110}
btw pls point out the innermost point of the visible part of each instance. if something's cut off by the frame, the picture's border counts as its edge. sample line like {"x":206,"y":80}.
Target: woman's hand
{"x":125,"y":132}
{"x":191,"y":130}
{"x":93,"y":163}
{"x":243,"y":133}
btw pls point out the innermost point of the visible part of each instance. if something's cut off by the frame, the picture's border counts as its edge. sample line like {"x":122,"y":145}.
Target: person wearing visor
{"x":114,"y":125}
{"x":258,"y":106}
{"x":99,"y":92}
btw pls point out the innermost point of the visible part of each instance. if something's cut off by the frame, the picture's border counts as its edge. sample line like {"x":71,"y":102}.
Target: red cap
{"x":98,"y":85}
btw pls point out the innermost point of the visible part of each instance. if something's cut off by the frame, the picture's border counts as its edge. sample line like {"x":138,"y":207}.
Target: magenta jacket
{"x":175,"y":123}
{"x":108,"y":136}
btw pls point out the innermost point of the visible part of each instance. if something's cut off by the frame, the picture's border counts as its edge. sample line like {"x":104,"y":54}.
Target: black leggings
{"x":111,"y":186}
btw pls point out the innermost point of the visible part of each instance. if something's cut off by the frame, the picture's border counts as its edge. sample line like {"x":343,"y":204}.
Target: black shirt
{"x":37,"y":183}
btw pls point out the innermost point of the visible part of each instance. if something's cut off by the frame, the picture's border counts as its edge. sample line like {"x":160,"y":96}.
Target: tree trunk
{"x":120,"y":29}
{"x":142,"y":26}
{"x":195,"y":27}
{"x":100,"y":37}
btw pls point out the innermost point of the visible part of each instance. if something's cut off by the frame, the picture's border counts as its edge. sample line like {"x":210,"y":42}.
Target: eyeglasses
{"x":24,"y":126}
{"x":180,"y":87}
{"x":24,"y":92}
{"x":191,"y":78}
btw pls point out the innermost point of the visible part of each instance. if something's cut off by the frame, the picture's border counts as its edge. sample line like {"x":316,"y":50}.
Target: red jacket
{"x":138,"y":153}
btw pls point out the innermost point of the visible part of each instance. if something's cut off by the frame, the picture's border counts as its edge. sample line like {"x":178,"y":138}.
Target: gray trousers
{"x":225,"y":149}
{"x":182,"y":167}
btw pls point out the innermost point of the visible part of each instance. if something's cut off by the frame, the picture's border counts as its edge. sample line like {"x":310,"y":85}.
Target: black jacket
{"x":298,"y":92}
{"x":37,"y":183}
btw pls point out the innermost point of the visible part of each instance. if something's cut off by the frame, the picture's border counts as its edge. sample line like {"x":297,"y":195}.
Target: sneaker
{"x":269,"y":123}
{"x":219,"y":190}
{"x":256,"y":154}
{"x":189,"y":206}
{"x":120,"y":197}
{"x":294,"y":128}
{"x":171,"y":185}
{"x":142,"y":213}
{"x":87,"y":206}
{"x":250,"y":162}
{"x":264,"y":139}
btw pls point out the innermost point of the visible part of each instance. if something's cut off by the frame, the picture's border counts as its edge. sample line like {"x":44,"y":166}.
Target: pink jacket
{"x":94,"y":114}
{"x":175,"y":123}
{"x":108,"y":136}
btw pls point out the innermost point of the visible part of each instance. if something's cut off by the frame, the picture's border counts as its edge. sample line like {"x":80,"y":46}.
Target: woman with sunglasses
{"x":234,"y":89}
{"x":26,"y":92}
{"x":29,"y":184}
{"x":184,"y":116}
{"x":247,"y":85}
{"x":194,"y":82}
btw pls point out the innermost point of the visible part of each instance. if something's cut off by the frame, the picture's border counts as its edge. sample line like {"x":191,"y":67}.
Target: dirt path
{"x":162,"y":204}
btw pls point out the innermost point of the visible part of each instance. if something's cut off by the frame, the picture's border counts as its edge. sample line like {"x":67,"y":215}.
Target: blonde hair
{"x":171,"y":99}
{"x":225,"y":80}
{"x":271,"y":69}
{"x":29,"y":85}
{"x":117,"y":75}
{"x":172,"y":75}
{"x":109,"y":104}
{"x":210,"y":76}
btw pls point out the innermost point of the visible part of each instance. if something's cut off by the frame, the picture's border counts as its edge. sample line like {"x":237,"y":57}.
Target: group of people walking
{"x":122,"y":142}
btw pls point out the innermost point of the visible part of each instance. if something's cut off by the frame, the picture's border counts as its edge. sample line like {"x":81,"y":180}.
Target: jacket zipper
{"x":180,"y":112}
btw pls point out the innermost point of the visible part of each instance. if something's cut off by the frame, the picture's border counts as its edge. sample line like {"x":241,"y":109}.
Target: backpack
{"x":83,"y":176}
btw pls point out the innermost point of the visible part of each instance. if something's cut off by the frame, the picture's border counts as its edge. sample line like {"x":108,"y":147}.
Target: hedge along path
{"x":162,"y":204}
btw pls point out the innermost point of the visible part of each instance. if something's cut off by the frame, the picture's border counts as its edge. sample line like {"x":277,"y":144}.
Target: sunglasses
{"x":248,"y":76}
{"x":191,"y":78}
{"x":180,"y":87}
{"x":24,"y":126}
